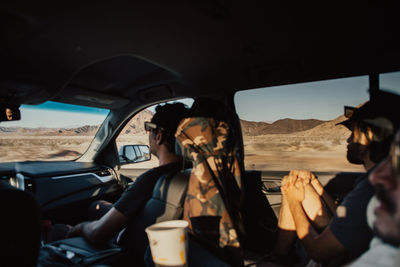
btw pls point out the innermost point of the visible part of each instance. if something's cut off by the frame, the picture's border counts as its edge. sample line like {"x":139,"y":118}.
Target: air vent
{"x":103,"y":173}
{"x":30,"y":185}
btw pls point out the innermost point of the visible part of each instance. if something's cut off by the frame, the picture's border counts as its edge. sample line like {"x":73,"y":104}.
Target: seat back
{"x":165,"y":204}
{"x":259,"y":219}
{"x":19,"y":227}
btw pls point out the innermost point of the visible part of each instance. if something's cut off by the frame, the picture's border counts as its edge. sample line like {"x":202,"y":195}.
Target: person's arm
{"x":102,"y":230}
{"x":286,"y":235}
{"x":315,"y":208}
{"x":320,"y":247}
{"x":329,"y":201}
{"x":317,"y":204}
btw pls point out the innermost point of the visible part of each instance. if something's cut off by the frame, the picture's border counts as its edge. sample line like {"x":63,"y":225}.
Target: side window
{"x":390,"y":82}
{"x":134,"y":134}
{"x":295,"y":126}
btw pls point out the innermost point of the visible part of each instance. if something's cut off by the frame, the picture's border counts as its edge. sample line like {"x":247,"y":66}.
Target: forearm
{"x":304,"y":228}
{"x":86,"y":230}
{"x":306,"y":232}
{"x":102,"y":230}
{"x":329,"y":201}
{"x":91,"y":232}
{"x":287,"y":231}
{"x":285,"y":219}
{"x":315,"y":208}
{"x":320,"y":247}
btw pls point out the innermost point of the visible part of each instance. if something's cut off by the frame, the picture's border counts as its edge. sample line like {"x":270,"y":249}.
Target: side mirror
{"x":133,"y":154}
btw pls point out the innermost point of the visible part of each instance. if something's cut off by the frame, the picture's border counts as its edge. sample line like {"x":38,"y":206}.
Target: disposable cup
{"x":168,"y":243}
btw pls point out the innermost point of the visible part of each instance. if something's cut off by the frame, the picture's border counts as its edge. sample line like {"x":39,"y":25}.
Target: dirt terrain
{"x":278,"y":152}
{"x":316,"y":145}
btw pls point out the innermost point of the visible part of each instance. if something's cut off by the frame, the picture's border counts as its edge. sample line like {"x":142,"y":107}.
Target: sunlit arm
{"x":102,"y":230}
{"x":315,"y":208}
{"x":320,"y":247}
{"x":329,"y":201}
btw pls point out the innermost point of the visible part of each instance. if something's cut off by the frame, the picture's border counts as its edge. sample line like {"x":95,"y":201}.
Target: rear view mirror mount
{"x":9,"y":113}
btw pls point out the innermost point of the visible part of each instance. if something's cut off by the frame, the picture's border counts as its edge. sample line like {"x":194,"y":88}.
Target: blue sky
{"x":58,"y":115}
{"x":322,"y":100}
{"x":317,"y":100}
{"x":68,"y":107}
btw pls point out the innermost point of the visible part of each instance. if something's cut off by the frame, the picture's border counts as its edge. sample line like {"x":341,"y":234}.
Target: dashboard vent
{"x":29,"y":185}
{"x":102,"y":173}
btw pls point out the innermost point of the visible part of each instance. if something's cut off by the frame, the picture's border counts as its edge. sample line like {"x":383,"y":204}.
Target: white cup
{"x":169,"y":243}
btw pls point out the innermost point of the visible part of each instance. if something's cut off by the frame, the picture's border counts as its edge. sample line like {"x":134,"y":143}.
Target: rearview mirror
{"x":133,"y":154}
{"x":9,"y":113}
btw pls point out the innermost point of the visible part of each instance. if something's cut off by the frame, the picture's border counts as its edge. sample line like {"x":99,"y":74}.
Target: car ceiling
{"x":110,"y":54}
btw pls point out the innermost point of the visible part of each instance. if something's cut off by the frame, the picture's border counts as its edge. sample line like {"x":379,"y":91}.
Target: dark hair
{"x":168,"y":117}
{"x":208,"y":107}
{"x":379,"y":146}
{"x":382,"y":105}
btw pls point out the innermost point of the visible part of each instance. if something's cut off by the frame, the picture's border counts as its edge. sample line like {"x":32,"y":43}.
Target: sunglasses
{"x":349,"y":111}
{"x":395,"y":156}
{"x":149,"y":126}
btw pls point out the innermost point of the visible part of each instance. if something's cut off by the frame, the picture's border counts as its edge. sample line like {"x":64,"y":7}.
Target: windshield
{"x":50,"y":131}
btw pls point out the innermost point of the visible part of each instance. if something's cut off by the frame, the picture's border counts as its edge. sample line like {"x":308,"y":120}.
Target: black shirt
{"x":352,"y":229}
{"x":137,"y":194}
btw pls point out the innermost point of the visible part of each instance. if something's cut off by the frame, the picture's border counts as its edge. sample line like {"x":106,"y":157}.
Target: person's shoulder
{"x":163,"y":169}
{"x":361,"y":178}
{"x":169,"y":166}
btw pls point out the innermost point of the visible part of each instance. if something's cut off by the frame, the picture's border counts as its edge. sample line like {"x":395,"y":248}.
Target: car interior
{"x":125,"y":57}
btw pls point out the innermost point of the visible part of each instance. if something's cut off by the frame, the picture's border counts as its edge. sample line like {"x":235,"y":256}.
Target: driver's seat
{"x":19,"y":227}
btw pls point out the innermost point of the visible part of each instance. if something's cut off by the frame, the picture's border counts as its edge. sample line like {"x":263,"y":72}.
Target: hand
{"x":293,"y":188}
{"x":285,"y":221}
{"x":284,"y":184}
{"x":75,"y":230}
{"x":309,"y":178}
{"x":317,"y":186}
{"x":304,"y":175}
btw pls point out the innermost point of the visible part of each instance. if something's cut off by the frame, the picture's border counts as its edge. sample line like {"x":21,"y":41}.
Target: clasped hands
{"x":293,"y":185}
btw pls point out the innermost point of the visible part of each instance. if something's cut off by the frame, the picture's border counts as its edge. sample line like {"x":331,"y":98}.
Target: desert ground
{"x":18,"y":147}
{"x":290,"y":151}
{"x":264,"y":152}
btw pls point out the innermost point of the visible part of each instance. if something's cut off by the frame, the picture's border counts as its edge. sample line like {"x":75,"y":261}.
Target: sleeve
{"x":134,"y":198}
{"x":349,"y":225}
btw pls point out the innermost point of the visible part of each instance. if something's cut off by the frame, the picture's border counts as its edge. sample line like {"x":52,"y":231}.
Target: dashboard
{"x":56,"y":183}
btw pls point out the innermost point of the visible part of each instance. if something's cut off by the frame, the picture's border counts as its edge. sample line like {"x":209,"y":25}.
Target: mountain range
{"x":310,"y":127}
{"x":283,"y":126}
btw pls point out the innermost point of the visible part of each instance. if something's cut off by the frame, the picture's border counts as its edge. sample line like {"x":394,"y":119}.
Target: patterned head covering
{"x":215,"y":180}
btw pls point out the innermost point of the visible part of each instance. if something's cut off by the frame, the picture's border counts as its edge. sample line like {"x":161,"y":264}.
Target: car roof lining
{"x":121,"y":50}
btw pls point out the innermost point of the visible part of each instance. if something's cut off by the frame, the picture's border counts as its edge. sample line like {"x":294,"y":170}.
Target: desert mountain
{"x":136,"y":125}
{"x":328,"y":129}
{"x":309,"y":127}
{"x":284,"y":126}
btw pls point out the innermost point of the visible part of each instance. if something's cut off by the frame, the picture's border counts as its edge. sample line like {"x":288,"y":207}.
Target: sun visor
{"x":155,"y":93}
{"x":91,"y":99}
